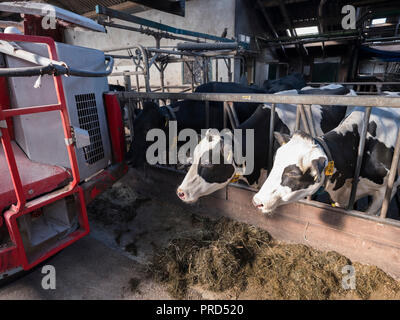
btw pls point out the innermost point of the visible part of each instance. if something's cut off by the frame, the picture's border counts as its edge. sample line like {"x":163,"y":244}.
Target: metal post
{"x":127,"y":82}
{"x":361,"y":147}
{"x":304,"y":119}
{"x":391,"y":178}
{"x":310,"y":119}
{"x":225,"y":114}
{"x":233,"y":116}
{"x":271,"y":137}
{"x":216,"y":69}
{"x":207,"y":105}
{"x":298,"y":115}
{"x":229,"y":70}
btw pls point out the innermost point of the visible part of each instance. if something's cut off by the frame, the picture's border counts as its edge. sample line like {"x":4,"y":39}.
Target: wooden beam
{"x":127,"y":6}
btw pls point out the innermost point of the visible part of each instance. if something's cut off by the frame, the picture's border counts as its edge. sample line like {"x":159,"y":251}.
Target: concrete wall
{"x":207,"y":16}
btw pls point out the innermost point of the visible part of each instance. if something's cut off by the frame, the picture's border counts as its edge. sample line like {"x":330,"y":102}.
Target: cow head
{"x":149,"y":118}
{"x":298,"y":171}
{"x":212,"y":167}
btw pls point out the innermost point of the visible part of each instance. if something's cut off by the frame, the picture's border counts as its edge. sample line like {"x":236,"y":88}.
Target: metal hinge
{"x":80,"y":138}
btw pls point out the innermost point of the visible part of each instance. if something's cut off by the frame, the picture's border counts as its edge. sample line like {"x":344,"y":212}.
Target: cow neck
{"x":259,"y":121}
{"x":323,"y":144}
{"x":169,"y":113}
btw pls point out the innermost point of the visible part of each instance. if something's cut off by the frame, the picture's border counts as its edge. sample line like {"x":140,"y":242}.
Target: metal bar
{"x":360,"y":154}
{"x":298,"y":116}
{"x":309,"y":114}
{"x":232,"y":115}
{"x":391,"y":178}
{"x":367,"y":100}
{"x":271,"y":136}
{"x":225,"y":114}
{"x":354,"y":83}
{"x":127,"y":82}
{"x":304,"y":119}
{"x":127,"y":73}
{"x":207,"y":106}
{"x":30,"y":110}
{"x":151,"y":24}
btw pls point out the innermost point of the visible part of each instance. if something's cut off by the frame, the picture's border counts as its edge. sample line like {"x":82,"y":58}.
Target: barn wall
{"x":207,"y":16}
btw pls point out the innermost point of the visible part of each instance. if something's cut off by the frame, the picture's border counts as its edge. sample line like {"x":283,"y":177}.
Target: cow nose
{"x":257,"y":203}
{"x":180,"y":194}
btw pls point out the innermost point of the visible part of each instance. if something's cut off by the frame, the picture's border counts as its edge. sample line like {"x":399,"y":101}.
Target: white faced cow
{"x":204,"y":179}
{"x":301,"y":162}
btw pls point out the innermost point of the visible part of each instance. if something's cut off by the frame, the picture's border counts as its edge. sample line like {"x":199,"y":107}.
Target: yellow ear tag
{"x":235,"y":178}
{"x":329,"y":168}
{"x":333,"y":204}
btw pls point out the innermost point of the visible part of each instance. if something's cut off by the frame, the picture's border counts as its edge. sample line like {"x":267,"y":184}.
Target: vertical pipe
{"x":233,"y":115}
{"x":271,"y":137}
{"x":311,"y":120}
{"x":229,"y":70}
{"x":207,"y":106}
{"x":367,"y":114}
{"x":193,"y":77}
{"x":216,"y":69}
{"x":304,"y":119}
{"x":225,"y":108}
{"x":127,"y":82}
{"x":297,"y":126}
{"x":391,"y":178}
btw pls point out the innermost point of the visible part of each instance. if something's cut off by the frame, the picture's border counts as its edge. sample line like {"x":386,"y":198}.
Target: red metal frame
{"x":115,"y":126}
{"x":16,"y":254}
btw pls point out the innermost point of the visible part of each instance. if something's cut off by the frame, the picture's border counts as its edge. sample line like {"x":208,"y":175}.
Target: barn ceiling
{"x":283,"y":18}
{"x":85,"y":7}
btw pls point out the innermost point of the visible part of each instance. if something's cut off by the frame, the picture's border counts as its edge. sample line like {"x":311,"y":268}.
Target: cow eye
{"x":293,"y":174}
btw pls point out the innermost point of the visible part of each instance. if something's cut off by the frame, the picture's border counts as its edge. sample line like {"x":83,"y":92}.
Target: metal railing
{"x":303,"y":114}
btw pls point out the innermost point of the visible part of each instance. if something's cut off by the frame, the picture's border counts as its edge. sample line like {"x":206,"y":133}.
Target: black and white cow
{"x":292,"y":81}
{"x":300,"y":163}
{"x":205,"y":178}
{"x":188,"y":114}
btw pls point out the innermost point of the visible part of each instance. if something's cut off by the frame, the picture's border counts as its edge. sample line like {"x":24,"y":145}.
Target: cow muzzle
{"x":264,"y":207}
{"x":184,"y":196}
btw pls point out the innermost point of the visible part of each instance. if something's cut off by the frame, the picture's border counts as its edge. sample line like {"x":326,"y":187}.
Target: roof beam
{"x":173,"y":7}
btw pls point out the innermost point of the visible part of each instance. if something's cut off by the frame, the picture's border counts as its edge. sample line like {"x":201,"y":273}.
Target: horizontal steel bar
{"x":152,"y":24}
{"x":365,"y":101}
{"x":355,"y":83}
{"x":30,"y":110}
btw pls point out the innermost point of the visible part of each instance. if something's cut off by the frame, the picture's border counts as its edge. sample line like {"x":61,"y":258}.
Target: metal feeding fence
{"x":303,"y":115}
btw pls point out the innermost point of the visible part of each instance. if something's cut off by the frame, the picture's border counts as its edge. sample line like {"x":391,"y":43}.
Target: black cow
{"x":188,"y":114}
{"x":291,"y":81}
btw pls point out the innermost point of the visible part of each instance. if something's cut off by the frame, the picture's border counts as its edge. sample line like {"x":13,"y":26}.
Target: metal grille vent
{"x":89,"y":120}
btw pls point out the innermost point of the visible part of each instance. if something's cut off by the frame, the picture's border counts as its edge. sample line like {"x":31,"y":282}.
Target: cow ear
{"x":317,"y":167}
{"x":282,"y":138}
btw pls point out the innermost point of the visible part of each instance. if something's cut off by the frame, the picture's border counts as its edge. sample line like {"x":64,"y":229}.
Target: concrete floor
{"x":99,"y":266}
{"x":87,"y":269}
